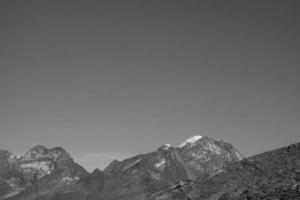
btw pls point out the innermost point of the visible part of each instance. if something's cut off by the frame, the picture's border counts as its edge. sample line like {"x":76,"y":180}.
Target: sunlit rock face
{"x":41,"y":152}
{"x":202,"y":155}
{"x":41,"y":161}
{"x":39,"y":168}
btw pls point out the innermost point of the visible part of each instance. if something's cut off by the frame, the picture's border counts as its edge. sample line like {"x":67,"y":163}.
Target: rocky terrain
{"x":199,"y":168}
{"x":39,"y":170}
{"x":271,"y":175}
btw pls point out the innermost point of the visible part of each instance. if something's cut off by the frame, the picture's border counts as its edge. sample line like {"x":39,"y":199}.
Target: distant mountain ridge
{"x":199,"y":168}
{"x":52,"y":174}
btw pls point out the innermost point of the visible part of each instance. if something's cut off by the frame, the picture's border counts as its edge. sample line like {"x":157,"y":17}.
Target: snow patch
{"x":191,"y":140}
{"x":160,"y":164}
{"x":44,"y":166}
{"x":69,"y":179}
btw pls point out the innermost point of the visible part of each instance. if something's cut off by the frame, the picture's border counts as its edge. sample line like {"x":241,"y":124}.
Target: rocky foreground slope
{"x":273,"y":175}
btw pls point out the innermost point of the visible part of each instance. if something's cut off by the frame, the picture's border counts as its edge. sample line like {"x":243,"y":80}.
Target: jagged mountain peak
{"x":35,"y":151}
{"x":192,"y":141}
{"x":39,"y":148}
{"x":40,"y":168}
{"x":205,"y":143}
{"x":42,"y":152}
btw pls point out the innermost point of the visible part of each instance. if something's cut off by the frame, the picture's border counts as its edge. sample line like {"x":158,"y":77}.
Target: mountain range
{"x":199,"y":168}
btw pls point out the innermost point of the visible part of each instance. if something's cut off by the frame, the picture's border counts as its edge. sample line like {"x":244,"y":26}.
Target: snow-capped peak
{"x":166,"y":146}
{"x":191,"y":140}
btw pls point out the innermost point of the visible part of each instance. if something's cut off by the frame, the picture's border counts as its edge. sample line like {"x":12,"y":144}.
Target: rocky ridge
{"x":141,"y":175}
{"x":34,"y":167}
{"x":199,"y":168}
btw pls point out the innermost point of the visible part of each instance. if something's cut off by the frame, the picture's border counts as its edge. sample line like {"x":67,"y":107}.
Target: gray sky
{"x":109,"y":79}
